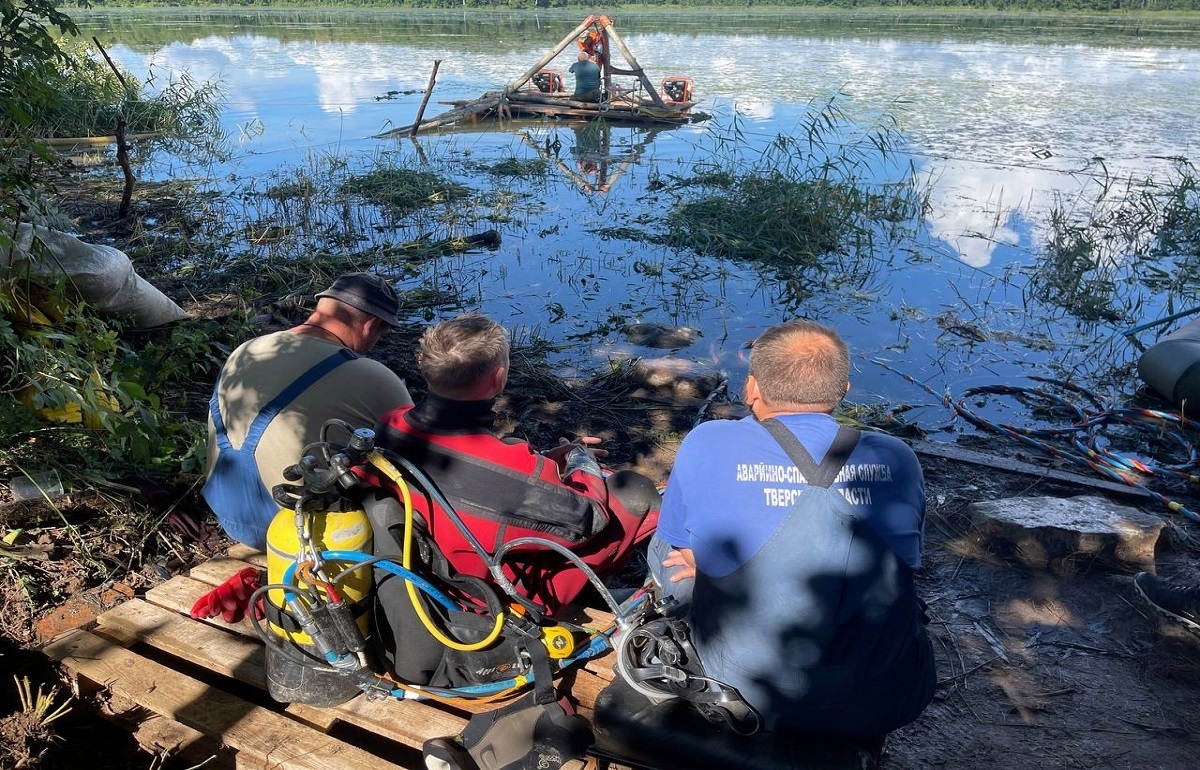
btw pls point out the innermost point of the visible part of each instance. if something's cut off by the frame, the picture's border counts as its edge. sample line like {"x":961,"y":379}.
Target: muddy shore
{"x":1036,"y":668}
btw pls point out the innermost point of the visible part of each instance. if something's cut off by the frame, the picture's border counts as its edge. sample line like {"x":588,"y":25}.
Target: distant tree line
{"x":1098,"y":6}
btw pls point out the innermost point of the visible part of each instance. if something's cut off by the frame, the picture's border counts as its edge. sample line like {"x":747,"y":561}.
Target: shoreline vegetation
{"x":1097,"y":24}
{"x":1124,"y":8}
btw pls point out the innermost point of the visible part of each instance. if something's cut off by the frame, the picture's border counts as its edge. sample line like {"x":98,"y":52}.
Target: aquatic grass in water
{"x":807,"y":195}
{"x":1107,"y":251}
{"x":403,"y":190}
{"x":1073,"y":274}
{"x":1180,"y":231}
{"x":525,"y":168}
{"x":288,"y":234}
{"x":764,"y":218}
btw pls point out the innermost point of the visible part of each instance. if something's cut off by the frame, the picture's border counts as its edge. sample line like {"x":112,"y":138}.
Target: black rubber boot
{"x":524,"y":735}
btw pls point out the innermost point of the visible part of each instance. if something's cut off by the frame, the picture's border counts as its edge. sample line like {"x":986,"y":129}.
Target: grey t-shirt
{"x":357,"y":391}
{"x":587,"y":76}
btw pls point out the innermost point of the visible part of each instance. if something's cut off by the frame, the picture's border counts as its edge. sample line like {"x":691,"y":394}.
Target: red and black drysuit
{"x":504,"y":490}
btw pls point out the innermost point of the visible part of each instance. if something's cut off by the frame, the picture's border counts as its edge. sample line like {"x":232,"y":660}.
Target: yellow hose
{"x":387,"y":469}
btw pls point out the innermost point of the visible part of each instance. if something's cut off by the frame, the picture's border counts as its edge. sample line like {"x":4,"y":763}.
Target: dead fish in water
{"x":653,"y":335}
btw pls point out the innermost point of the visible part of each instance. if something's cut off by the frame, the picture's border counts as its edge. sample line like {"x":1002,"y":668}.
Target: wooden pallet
{"x":198,"y":688}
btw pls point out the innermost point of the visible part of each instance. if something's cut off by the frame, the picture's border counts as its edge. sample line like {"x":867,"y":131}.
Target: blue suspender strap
{"x":214,"y":410}
{"x":285,"y":397}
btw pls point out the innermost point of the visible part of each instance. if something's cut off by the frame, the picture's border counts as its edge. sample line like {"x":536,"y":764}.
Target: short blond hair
{"x":455,"y":355}
{"x":800,"y":363}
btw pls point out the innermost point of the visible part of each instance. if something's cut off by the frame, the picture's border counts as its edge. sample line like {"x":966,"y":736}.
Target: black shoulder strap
{"x":816,"y":475}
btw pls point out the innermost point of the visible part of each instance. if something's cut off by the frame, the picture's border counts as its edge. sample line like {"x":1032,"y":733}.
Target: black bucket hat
{"x":368,"y":293}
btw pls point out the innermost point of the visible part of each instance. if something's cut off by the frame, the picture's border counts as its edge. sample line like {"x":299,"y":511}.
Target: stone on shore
{"x":1068,"y":535}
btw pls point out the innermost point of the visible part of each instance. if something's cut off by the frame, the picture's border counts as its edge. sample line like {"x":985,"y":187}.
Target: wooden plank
{"x":640,"y":115}
{"x":229,"y":654}
{"x":179,"y":594}
{"x":232,"y":650}
{"x":586,"y":687}
{"x":269,"y":739}
{"x":951,"y":452}
{"x":246,"y":553}
{"x":237,"y":657}
{"x":166,"y":738}
{"x":243,"y":659}
{"x":408,"y":722}
{"x":601,"y":667}
{"x":216,"y":571}
{"x":601,"y":109}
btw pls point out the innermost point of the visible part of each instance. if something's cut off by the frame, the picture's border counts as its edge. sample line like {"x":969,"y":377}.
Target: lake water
{"x":1006,"y":119}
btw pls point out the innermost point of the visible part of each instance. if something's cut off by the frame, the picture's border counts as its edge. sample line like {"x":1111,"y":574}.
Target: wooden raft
{"x":198,"y":688}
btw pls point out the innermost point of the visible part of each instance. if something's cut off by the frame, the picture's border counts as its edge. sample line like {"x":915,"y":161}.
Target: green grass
{"x":524,"y":168}
{"x":1108,"y":251}
{"x":808,"y":195}
{"x":404,"y":190}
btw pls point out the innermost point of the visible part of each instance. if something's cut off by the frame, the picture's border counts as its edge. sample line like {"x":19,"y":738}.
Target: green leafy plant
{"x":30,"y":58}
{"x":402,"y":189}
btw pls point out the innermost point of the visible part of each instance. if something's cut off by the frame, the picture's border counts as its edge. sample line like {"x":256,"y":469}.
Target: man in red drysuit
{"x":501,"y":487}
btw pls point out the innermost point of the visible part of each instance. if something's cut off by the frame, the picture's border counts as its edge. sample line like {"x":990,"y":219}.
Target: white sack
{"x":103,"y":275}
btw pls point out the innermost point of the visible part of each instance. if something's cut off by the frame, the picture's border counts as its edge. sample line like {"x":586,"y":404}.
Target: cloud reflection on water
{"x":1005,"y":131}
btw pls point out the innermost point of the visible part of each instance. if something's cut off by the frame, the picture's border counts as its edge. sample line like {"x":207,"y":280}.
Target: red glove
{"x":229,"y":599}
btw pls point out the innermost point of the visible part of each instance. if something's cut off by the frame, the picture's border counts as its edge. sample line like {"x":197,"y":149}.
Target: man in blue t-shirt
{"x":801,"y":595}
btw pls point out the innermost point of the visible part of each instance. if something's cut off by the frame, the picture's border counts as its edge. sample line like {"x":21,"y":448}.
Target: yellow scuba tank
{"x":288,"y":680}
{"x":331,"y":531}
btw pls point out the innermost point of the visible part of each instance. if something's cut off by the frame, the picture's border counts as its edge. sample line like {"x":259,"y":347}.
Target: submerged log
{"x":480,"y":106}
{"x":632,"y":116}
{"x":567,"y":108}
{"x":415,"y":250}
{"x":527,"y":97}
{"x":620,"y":102}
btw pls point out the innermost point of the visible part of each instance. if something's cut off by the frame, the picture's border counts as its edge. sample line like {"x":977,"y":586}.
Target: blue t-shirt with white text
{"x":732,"y":485}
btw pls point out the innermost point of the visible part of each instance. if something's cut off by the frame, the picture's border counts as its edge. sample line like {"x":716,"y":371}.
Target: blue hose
{"x":356,"y":557}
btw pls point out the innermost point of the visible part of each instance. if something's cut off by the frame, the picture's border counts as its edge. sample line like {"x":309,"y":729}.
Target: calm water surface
{"x":1005,"y":119}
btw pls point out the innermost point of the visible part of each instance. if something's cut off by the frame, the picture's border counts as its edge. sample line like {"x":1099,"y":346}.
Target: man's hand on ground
{"x":559,"y":453}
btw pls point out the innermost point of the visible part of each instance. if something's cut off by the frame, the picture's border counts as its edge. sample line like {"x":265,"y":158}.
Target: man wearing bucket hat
{"x":276,"y":391}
